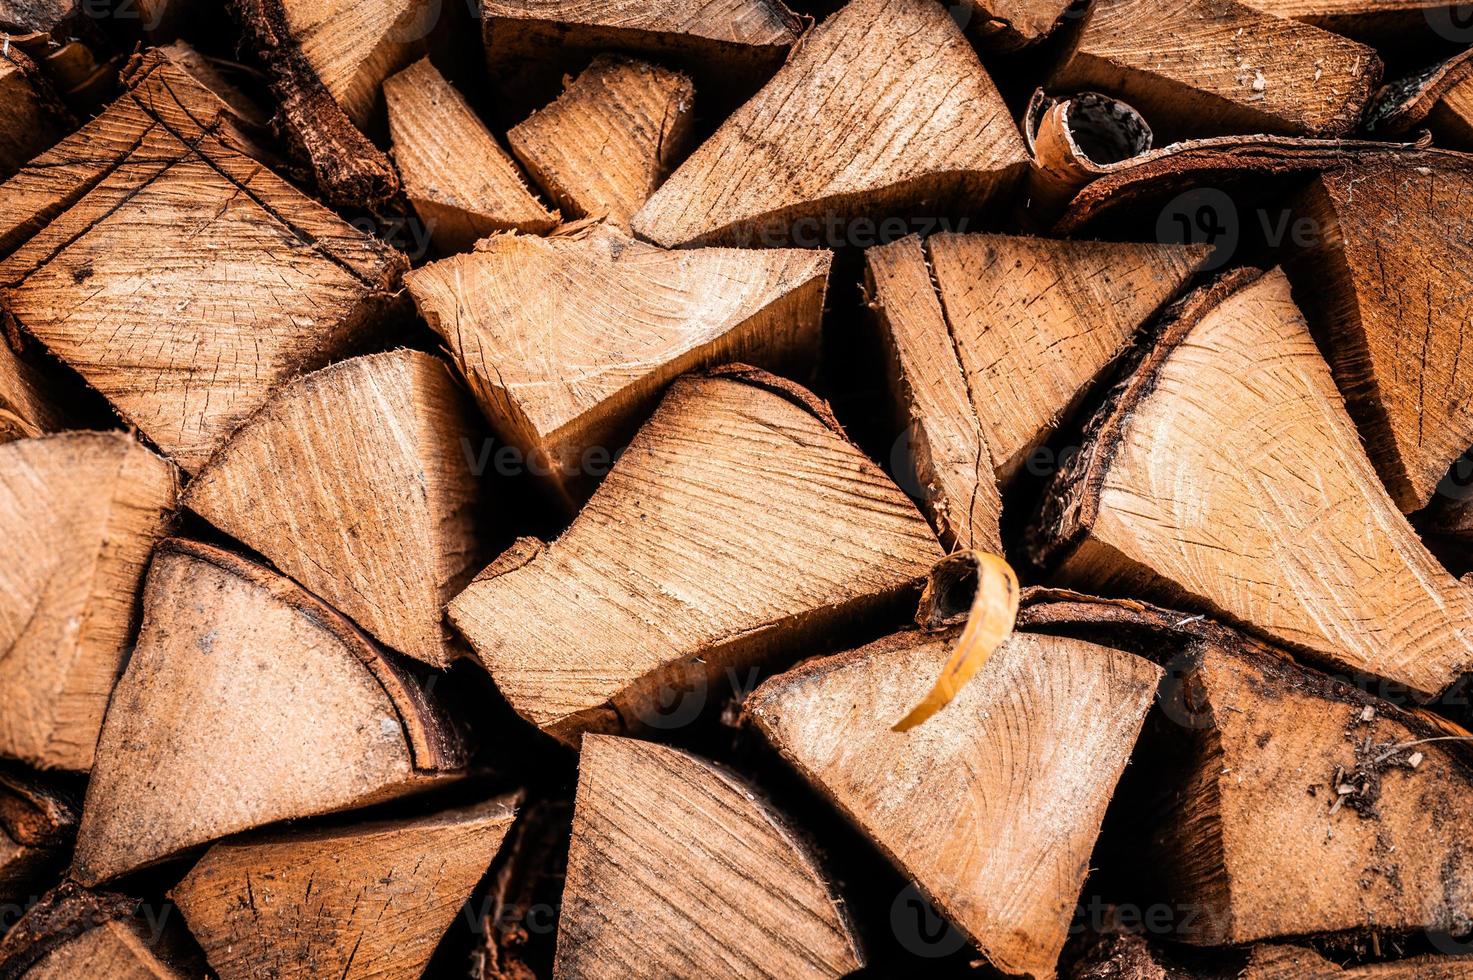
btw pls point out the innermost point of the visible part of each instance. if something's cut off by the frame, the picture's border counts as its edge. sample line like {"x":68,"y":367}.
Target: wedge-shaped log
{"x":31,"y":116}
{"x":37,"y":824}
{"x":727,"y":44}
{"x":247,"y":701}
{"x":1010,"y":24}
{"x":1380,"y":283}
{"x":79,"y":515}
{"x":1227,"y":476}
{"x":608,"y":141}
{"x":72,"y":932}
{"x":677,"y":868}
{"x":1206,"y":67}
{"x":1372,"y":21}
{"x":459,"y":179}
{"x":884,"y":107}
{"x":370,"y":900}
{"x":992,"y":806}
{"x":568,"y":342}
{"x":340,"y":449}
{"x":768,"y":530}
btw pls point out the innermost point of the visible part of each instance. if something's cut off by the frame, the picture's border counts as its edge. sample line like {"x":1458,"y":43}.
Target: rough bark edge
{"x":62,"y":915}
{"x":434,"y":744}
{"x":790,"y":391}
{"x":46,"y":95}
{"x":1402,"y":105}
{"x":34,"y":814}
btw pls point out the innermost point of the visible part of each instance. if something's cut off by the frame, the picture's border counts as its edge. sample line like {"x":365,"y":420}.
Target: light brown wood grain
{"x":568,"y":342}
{"x":118,"y":950}
{"x":246,"y":701}
{"x":1269,"y":962}
{"x":609,"y":140}
{"x":1209,"y":67}
{"x":459,"y":179}
{"x":1372,"y":21}
{"x":739,"y":527}
{"x":363,"y":901}
{"x":832,"y":138}
{"x":354,"y":47}
{"x":992,"y":806}
{"x":1381,"y":282}
{"x":30,"y":117}
{"x":1227,"y":477}
{"x":79,"y":516}
{"x":678,"y":869}
{"x":31,"y":403}
{"x":356,"y":481}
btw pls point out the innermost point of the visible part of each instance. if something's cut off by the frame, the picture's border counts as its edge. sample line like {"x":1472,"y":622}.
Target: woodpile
{"x":740,"y":488}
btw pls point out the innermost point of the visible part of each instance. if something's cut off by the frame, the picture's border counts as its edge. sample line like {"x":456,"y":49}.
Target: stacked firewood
{"x":540,"y":488}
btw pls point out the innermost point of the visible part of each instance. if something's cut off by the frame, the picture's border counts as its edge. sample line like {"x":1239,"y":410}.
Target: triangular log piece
{"x":1271,"y":800}
{"x":1036,"y":321}
{"x":1371,"y":21}
{"x":1207,"y":67}
{"x":1273,"y":962}
{"x":568,"y":342}
{"x":326,"y":64}
{"x":214,"y":280}
{"x":1376,"y":286}
{"x":71,"y":932}
{"x":948,"y":451}
{"x":678,"y":868}
{"x":37,"y":825}
{"x":992,"y":807}
{"x":608,"y":141}
{"x":370,"y":900}
{"x":31,"y":116}
{"x":1006,"y":25}
{"x":30,"y":404}
{"x":461,"y":182}
{"x":761,"y":531}
{"x":247,"y":701}
{"x":728,"y":45}
{"x":1226,"y":476}
{"x":80,"y":513}
{"x":835,"y":147}
{"x":338,"y":450}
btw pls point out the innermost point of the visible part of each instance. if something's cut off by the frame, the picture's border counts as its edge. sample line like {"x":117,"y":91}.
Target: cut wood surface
{"x":1226,"y":476}
{"x":1011,"y":24}
{"x":31,"y":117}
{"x":882,"y":108}
{"x":37,"y":824}
{"x":247,"y":701}
{"x":1383,"y":284}
{"x":992,"y":807}
{"x":678,"y":869}
{"x":71,"y":932}
{"x":609,"y":140}
{"x":1367,"y":20}
{"x":761,"y":529}
{"x":31,"y":404}
{"x":1209,"y":67}
{"x":212,"y":280}
{"x":1271,"y":962}
{"x":1439,"y":97}
{"x":369,"y":900}
{"x":459,"y":179}
{"x":568,"y":342}
{"x":79,"y":515}
{"x":319,"y":482}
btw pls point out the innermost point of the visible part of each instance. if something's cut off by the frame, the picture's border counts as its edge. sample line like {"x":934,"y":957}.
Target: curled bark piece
{"x":336,"y":450}
{"x":1071,"y":141}
{"x":676,"y":868}
{"x":246,"y":703}
{"x":80,"y":513}
{"x":608,"y":141}
{"x":568,"y":342}
{"x":1236,"y":394}
{"x":1406,"y":103}
{"x":38,"y":822}
{"x":769,"y":530}
{"x":992,"y":808}
{"x":1209,"y":67}
{"x":835,"y":148}
{"x":364,"y":901}
{"x":458,"y":178}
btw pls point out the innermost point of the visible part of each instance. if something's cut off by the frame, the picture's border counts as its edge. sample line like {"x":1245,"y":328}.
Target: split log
{"x":1362,"y":800}
{"x":214,"y":280}
{"x":1129,"y":956}
{"x":1376,"y":286}
{"x":677,"y":868}
{"x":1072,"y":141}
{"x":37,"y":825}
{"x":1439,"y":98}
{"x":769,"y":531}
{"x":568,"y":342}
{"x":338,"y":450}
{"x":1371,"y":21}
{"x":1007,"y":25}
{"x":32,"y":116}
{"x":370,"y":900}
{"x":247,"y":701}
{"x":30,"y":403}
{"x":993,"y":806}
{"x":327,"y":62}
{"x":726,"y":45}
{"x":460,"y":181}
{"x":1268,"y":962}
{"x":1208,"y":67}
{"x":79,"y":516}
{"x":608,"y":141}
{"x":72,"y":932}
{"x":836,"y":146}
{"x":1226,"y":476}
